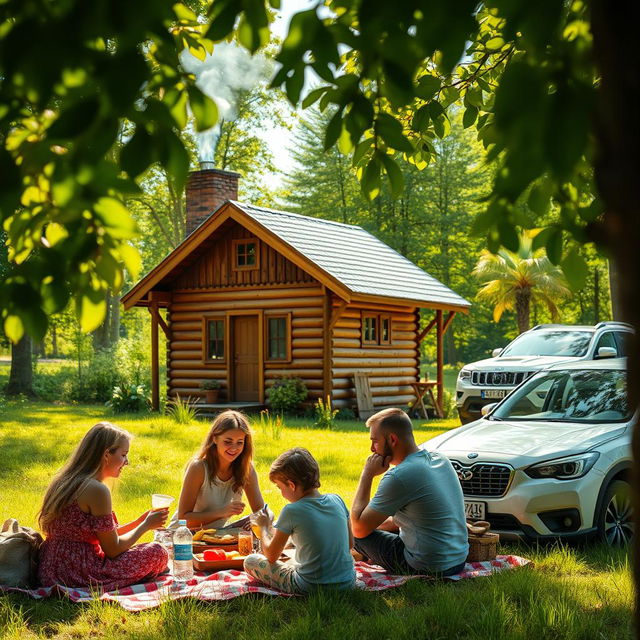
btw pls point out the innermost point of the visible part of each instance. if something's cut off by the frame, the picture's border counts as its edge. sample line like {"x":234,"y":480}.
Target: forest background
{"x":430,"y":223}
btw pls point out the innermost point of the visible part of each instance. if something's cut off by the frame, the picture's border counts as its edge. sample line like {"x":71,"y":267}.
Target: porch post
{"x":440,"y":356}
{"x":155,"y":371}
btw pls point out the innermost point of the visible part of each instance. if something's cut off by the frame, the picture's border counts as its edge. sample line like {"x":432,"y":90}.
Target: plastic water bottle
{"x":182,"y":553}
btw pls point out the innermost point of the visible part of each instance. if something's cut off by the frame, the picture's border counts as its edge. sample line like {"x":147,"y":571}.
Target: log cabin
{"x":252,"y":295}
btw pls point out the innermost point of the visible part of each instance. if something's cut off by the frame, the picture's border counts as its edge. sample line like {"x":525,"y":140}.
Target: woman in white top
{"x":215,"y":479}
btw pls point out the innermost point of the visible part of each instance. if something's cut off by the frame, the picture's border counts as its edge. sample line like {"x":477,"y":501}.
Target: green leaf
{"x":115,"y":216}
{"x":138,"y":153}
{"x":469,"y":117}
{"x":421,"y":119}
{"x":35,"y":322}
{"x":177,"y":102}
{"x":293,"y":84}
{"x":204,"y":109}
{"x":334,"y":127}
{"x":361,"y":150}
{"x":131,"y":258}
{"x":13,"y":328}
{"x":508,"y":235}
{"x":370,"y":183}
{"x":539,"y":199}
{"x":90,"y":312}
{"x":575,"y":270}
{"x":473,"y":97}
{"x":396,"y":179}
{"x":554,"y":246}
{"x":427,"y":87}
{"x":390,"y":130}
{"x":223,"y":14}
{"x":313,"y":96}
{"x":75,"y":119}
{"x":495,"y":44}
{"x":540,"y":239}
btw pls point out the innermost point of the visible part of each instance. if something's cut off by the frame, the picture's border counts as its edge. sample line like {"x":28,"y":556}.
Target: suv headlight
{"x":464,"y":375}
{"x":568,"y":468}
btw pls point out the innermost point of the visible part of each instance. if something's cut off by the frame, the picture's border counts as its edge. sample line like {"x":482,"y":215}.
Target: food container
{"x":200,"y":564}
{"x":483,"y":545}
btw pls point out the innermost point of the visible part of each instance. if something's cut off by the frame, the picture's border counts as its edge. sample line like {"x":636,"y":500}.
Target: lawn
{"x":580,"y":592}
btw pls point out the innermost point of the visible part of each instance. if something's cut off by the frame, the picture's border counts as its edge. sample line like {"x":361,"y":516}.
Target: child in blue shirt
{"x":317,"y":524}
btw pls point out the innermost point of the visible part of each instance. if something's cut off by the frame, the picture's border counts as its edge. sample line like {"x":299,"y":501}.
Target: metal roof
{"x":354,"y":257}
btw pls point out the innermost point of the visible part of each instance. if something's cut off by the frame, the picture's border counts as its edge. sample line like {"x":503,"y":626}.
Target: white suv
{"x":553,"y":459}
{"x":486,"y":381}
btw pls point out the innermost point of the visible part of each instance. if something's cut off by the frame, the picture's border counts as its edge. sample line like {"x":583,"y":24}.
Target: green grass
{"x":581,"y":592}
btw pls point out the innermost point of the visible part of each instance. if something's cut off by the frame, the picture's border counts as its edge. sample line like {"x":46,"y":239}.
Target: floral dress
{"x":72,"y":556}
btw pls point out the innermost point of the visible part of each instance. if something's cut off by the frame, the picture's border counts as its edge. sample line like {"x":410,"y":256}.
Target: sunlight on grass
{"x":573,"y":592}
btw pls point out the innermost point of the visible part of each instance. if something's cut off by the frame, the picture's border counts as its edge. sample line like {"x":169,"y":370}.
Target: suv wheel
{"x":615,"y":520}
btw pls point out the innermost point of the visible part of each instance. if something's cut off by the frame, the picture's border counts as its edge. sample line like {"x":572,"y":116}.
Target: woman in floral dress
{"x":85,"y":546}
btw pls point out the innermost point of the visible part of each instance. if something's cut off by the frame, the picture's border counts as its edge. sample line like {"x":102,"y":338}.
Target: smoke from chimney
{"x":223,"y":75}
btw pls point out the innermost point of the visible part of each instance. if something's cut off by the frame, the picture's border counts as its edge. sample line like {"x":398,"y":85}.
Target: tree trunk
{"x":614,"y":292}
{"x":616,"y":168}
{"x":54,"y":341}
{"x":21,"y":375}
{"x":523,"y":306}
{"x":596,"y":295}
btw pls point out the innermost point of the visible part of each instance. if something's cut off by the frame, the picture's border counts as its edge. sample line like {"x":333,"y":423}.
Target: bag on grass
{"x":18,"y":554}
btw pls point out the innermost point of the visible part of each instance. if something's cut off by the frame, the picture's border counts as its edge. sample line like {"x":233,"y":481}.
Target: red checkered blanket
{"x":225,"y":585}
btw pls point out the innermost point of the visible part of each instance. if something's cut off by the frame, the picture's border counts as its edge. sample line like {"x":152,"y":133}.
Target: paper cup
{"x":160,"y":501}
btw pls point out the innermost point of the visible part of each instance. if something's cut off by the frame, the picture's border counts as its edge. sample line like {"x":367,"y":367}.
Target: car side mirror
{"x":496,"y":352}
{"x":607,"y":352}
{"x":488,"y":408}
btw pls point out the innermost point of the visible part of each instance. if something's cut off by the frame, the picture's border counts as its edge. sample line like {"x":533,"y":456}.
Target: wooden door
{"x":245,"y":359}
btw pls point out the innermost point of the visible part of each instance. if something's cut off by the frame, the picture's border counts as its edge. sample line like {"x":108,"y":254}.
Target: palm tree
{"x":514,"y":280}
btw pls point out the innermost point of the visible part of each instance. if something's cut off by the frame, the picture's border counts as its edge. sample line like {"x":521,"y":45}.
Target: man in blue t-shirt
{"x":415,"y":522}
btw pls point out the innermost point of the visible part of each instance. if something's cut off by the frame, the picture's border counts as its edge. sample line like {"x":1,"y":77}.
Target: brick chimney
{"x":207,"y":189}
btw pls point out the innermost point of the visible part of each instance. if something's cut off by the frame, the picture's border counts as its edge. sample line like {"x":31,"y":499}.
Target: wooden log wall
{"x":215,"y":267}
{"x":390,"y":368}
{"x":185,"y":354}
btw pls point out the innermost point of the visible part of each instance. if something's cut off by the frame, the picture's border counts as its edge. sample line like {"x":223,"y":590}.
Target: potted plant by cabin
{"x":211,"y":388}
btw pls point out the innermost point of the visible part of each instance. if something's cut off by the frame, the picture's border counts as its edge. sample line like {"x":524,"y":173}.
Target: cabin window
{"x":214,"y":339}
{"x":278,"y":337}
{"x":385,"y":329}
{"x":376,"y":329}
{"x":370,"y":329}
{"x":245,"y":255}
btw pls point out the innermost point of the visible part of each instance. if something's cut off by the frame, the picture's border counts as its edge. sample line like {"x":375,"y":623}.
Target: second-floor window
{"x":245,"y":254}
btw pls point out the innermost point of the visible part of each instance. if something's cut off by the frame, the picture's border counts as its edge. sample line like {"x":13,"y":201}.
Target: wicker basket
{"x":482,"y":544}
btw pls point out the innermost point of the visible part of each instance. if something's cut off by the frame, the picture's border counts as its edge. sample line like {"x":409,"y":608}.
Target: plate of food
{"x":211,"y":538}
{"x":217,"y":559}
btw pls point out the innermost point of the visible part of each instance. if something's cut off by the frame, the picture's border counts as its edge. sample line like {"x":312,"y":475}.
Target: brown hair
{"x":392,"y":421}
{"x":83,"y":465}
{"x":240,"y":467}
{"x":298,"y":466}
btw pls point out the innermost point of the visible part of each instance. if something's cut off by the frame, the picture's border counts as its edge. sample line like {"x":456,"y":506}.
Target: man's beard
{"x":388,"y":452}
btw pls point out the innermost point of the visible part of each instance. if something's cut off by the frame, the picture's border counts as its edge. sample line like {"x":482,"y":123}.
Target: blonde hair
{"x":240,"y":467}
{"x":85,"y":462}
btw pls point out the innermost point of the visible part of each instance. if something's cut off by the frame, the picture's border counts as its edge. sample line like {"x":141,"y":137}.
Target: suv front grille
{"x":483,"y":479}
{"x":498,"y":378}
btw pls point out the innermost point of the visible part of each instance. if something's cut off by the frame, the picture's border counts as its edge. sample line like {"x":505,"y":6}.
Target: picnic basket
{"x":483,"y":545}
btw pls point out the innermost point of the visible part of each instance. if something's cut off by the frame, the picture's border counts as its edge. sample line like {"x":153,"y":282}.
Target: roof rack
{"x":547,"y":326}
{"x":613,"y":323}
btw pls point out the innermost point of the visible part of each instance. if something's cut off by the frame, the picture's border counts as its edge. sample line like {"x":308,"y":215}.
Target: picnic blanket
{"x":224,"y":585}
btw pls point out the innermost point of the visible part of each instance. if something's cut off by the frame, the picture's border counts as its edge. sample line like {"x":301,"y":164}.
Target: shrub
{"x":325,"y":415}
{"x":287,"y":394}
{"x":345,"y":414}
{"x":130,"y":399}
{"x":448,"y":405}
{"x":181,"y":411}
{"x":208,"y":385}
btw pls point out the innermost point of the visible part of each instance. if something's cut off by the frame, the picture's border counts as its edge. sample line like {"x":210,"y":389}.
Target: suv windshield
{"x":569,"y":396}
{"x":549,"y":343}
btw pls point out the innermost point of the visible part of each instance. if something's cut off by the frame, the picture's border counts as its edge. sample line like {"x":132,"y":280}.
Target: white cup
{"x":160,"y":500}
